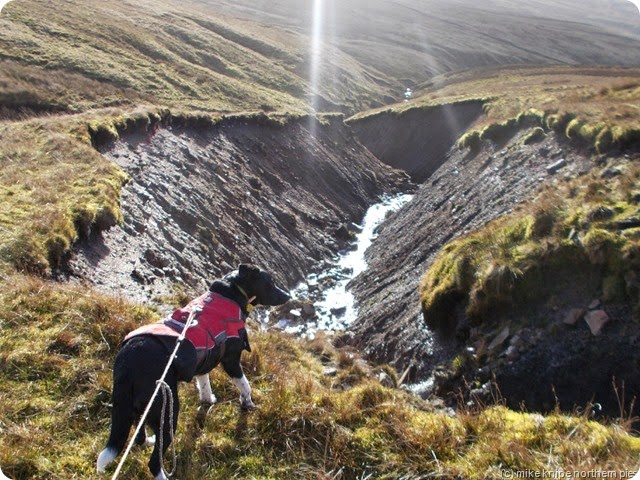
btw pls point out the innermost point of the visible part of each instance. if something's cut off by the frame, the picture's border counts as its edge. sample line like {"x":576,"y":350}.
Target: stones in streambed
{"x":294,"y":310}
{"x":574,"y":315}
{"x":345,"y":234}
{"x":594,"y":316}
{"x":596,"y":320}
{"x":555,"y":166}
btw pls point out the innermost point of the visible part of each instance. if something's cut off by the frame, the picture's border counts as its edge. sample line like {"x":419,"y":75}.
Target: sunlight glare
{"x":3,"y":3}
{"x":637,"y":4}
{"x":316,"y":50}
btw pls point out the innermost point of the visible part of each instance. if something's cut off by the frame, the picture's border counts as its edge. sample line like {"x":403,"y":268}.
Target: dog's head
{"x":257,"y":283}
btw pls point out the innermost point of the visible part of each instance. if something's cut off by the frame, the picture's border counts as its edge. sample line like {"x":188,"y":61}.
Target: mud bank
{"x":201,"y":200}
{"x":416,"y":140}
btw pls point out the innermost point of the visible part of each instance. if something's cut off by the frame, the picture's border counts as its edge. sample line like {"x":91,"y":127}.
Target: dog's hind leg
{"x":205,"y":394}
{"x":120,"y":427}
{"x":245,"y":392}
{"x":122,"y":416}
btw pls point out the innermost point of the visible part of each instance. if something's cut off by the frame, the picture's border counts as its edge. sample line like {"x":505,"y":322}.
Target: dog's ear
{"x":245,"y":269}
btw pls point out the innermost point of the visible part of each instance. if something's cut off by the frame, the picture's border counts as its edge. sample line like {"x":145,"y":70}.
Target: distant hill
{"x":246,"y":55}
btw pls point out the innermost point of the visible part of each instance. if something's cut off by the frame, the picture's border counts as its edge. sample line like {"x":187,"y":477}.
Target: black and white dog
{"x":216,"y":336}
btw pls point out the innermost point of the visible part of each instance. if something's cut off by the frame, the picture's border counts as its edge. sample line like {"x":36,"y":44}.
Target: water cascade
{"x":334,"y":304}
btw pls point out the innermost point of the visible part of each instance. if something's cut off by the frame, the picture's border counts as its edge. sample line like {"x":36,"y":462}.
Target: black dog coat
{"x":217,"y":319}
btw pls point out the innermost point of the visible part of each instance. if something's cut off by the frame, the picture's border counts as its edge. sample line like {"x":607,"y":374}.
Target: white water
{"x":337,"y":308}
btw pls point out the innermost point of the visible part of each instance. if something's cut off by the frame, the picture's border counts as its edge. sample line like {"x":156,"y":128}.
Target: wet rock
{"x":343,"y":233}
{"x":308,"y":309}
{"x":554,"y":167}
{"x":354,"y":227}
{"x":499,"y":339}
{"x":573,"y":316}
{"x":596,"y":320}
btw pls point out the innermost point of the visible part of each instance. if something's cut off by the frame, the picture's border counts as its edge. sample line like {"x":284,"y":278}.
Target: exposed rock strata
{"x":200,"y":201}
{"x":549,"y":364}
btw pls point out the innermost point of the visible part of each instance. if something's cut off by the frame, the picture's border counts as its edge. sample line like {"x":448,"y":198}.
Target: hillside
{"x":231,"y":56}
{"x":148,"y":147}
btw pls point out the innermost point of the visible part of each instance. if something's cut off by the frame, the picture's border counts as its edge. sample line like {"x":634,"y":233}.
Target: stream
{"x":334,"y":304}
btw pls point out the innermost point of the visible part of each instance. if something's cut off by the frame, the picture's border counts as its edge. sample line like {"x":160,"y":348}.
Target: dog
{"x":217,"y":336}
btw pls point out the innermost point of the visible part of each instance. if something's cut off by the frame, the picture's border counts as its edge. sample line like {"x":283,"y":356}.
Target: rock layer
{"x":199,"y":201}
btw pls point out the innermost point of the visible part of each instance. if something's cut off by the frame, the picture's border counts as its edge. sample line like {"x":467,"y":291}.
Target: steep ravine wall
{"x":567,"y":365}
{"x":201,"y":200}
{"x":416,"y":140}
{"x":465,"y":192}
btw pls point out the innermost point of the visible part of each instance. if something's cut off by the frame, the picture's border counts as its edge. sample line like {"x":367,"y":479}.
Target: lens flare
{"x":316,"y":50}
{"x":3,"y":3}
{"x":637,"y":4}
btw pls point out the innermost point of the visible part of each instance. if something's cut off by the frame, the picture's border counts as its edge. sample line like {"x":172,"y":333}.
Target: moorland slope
{"x":127,"y":127}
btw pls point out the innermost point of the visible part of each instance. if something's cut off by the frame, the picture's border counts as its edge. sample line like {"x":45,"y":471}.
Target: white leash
{"x":159,"y":384}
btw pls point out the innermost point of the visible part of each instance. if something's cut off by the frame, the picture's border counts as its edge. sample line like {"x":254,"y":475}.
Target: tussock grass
{"x":583,"y":226}
{"x":57,"y":347}
{"x":54,"y":187}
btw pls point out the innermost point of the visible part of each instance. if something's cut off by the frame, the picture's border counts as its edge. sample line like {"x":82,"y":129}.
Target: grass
{"x":58,"y":345}
{"x":54,"y":187}
{"x":72,"y":58}
{"x":581,"y":227}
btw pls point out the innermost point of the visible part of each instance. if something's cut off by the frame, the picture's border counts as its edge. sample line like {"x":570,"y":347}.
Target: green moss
{"x":531,"y":117}
{"x":604,"y":140}
{"x":499,"y":132}
{"x":558,"y":121}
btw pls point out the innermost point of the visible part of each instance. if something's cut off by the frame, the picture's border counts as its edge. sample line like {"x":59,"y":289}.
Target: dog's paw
{"x":105,"y":458}
{"x":208,"y":400}
{"x":150,"y":441}
{"x":247,"y":404}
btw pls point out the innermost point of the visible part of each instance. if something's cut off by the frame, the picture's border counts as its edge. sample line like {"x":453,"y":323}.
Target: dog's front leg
{"x":205,"y":394}
{"x":245,"y":392}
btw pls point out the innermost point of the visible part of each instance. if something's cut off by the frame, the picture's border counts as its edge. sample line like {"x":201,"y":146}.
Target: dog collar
{"x":249,"y":308}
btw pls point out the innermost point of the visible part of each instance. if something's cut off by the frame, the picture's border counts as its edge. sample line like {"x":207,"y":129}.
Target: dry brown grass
{"x":58,"y":343}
